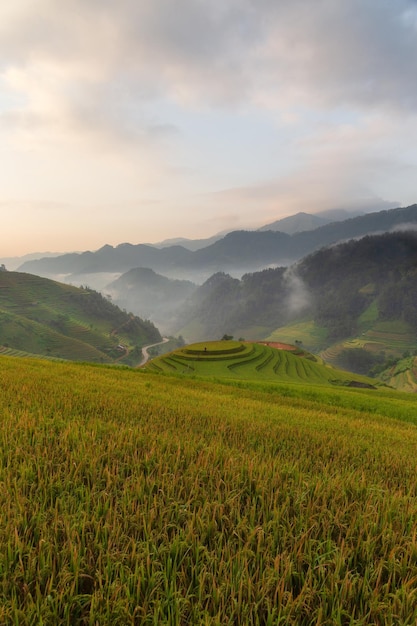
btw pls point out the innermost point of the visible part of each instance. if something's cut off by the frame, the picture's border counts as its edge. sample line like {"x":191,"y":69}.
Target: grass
{"x":312,"y":336}
{"x":402,"y":375}
{"x":130,"y":498}
{"x":390,"y":339}
{"x":248,"y":361}
{"x":41,"y":316}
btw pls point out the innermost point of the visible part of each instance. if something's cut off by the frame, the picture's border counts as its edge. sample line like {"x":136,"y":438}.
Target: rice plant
{"x":133,"y":498}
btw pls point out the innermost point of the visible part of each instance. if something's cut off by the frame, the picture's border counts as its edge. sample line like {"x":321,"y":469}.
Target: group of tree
{"x":333,"y":286}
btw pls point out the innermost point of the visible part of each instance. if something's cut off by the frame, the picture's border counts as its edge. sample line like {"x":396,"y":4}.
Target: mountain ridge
{"x":242,"y":251}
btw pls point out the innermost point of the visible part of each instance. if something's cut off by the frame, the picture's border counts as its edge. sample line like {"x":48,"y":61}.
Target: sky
{"x":141,"y":120}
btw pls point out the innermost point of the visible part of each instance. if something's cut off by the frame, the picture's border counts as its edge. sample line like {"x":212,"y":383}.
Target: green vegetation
{"x":379,"y":351}
{"x":129,"y":498}
{"x":237,"y":307}
{"x":251,"y":361}
{"x":41,"y":316}
{"x":357,"y":295}
{"x":307,"y":332}
{"x":400,"y":374}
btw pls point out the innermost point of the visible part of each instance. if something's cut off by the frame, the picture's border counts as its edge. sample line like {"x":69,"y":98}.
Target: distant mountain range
{"x":237,"y":252}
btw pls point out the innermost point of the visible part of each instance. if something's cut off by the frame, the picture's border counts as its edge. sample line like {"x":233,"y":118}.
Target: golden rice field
{"x":132,"y":498}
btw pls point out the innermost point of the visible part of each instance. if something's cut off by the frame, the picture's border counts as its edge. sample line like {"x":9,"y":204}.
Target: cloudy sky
{"x":141,"y":120}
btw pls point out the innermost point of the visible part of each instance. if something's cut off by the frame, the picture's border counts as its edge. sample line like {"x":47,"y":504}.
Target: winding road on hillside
{"x":145,"y":349}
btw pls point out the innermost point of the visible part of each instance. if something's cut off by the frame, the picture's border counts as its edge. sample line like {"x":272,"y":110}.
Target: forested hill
{"x":43,"y":317}
{"x":333,"y":287}
{"x":348,"y":278}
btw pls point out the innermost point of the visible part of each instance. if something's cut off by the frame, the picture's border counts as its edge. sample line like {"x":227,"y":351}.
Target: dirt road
{"x":145,"y":353}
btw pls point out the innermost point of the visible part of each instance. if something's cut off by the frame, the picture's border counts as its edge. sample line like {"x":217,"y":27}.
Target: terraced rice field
{"x":42,"y":317}
{"x":403,"y":376}
{"x":241,"y":360}
{"x":393,"y":339}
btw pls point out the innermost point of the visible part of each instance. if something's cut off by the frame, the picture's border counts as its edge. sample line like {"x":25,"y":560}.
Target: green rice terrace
{"x":129,"y":498}
{"x":386,"y":340}
{"x":46,"y":318}
{"x":249,"y":361}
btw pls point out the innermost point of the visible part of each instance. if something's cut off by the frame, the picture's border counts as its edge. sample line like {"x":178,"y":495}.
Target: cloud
{"x":285,"y":106}
{"x":360,"y":52}
{"x":299,"y":297}
{"x":95,"y":68}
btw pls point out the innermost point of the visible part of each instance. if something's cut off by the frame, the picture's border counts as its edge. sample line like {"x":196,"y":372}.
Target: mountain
{"x":42,"y":317}
{"x":237,"y":252}
{"x":12,"y":263}
{"x":339,"y":215}
{"x":297,"y":223}
{"x":243,"y":250}
{"x":364,"y":289}
{"x":189,"y":244}
{"x":301,"y":222}
{"x":109,"y":259}
{"x":150,"y":295}
{"x":226,"y":305}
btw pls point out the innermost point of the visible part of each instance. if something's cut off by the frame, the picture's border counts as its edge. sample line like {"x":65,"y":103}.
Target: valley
{"x":262,"y":472}
{"x":352,"y":303}
{"x":208,"y":313}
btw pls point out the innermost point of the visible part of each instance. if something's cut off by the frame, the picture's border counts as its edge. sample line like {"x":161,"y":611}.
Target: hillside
{"x":238,"y":360}
{"x":41,"y":316}
{"x":132,"y":498}
{"x":249,"y":307}
{"x":364,"y":290}
{"x":151,"y":295}
{"x":239,"y":251}
{"x":297,"y":223}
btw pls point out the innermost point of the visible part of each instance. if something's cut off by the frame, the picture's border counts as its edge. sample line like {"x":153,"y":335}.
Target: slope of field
{"x":391,"y":337}
{"x":307,"y":332}
{"x":384,"y":341}
{"x":44,"y":317}
{"x":130,"y":498}
{"x":402,"y":375}
{"x":252,"y":361}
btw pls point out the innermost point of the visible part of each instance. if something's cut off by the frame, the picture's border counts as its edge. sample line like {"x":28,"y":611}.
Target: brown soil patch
{"x":279,"y":346}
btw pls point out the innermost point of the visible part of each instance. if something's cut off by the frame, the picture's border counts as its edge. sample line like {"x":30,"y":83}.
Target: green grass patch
{"x":214,"y":348}
{"x":369,"y":316}
{"x":251,"y":361}
{"x":313,"y":337}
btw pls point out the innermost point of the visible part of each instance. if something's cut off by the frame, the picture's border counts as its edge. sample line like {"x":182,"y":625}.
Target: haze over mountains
{"x":237,"y":252}
{"x":347,"y":281}
{"x":331,"y":287}
{"x":159,"y":298}
{"x":159,"y":283}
